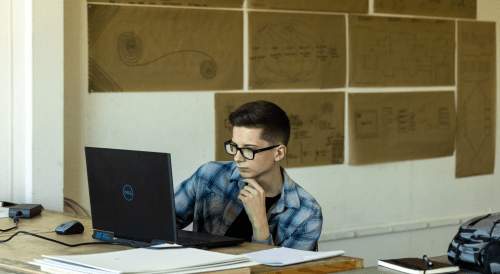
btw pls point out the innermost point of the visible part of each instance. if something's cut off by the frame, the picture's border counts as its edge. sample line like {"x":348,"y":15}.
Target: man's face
{"x":263,"y":162}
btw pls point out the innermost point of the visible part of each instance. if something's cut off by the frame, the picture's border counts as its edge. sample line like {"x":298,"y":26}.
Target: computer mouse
{"x":70,"y":227}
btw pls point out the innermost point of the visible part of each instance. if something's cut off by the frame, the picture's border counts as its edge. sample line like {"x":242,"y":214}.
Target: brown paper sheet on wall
{"x":290,"y":50}
{"x":476,"y":99}
{"x":388,"y":127}
{"x":444,"y":8}
{"x":163,"y":49}
{"x":191,"y":3}
{"x":316,"y":118}
{"x":386,"y":51}
{"x":355,"y":6}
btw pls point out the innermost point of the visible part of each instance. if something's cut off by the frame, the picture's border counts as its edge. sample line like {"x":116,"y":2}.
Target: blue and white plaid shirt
{"x":209,"y":199}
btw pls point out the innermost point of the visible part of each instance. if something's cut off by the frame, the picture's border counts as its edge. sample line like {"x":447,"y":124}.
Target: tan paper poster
{"x":444,"y":8}
{"x":388,"y":127}
{"x":476,"y":98}
{"x":355,"y":6}
{"x":290,"y":50}
{"x":386,"y":51}
{"x":164,"y":49}
{"x":316,"y":118}
{"x":190,"y":3}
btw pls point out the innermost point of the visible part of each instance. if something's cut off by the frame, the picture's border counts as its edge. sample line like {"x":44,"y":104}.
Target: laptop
{"x":132,"y":200}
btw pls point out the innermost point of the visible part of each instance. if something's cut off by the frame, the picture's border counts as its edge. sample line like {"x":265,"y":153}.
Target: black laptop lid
{"x":131,"y":193}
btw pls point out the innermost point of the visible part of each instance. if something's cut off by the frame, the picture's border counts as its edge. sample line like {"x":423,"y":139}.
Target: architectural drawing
{"x":296,"y":51}
{"x":440,"y":8}
{"x":176,"y":3}
{"x":316,"y":119}
{"x":401,"y":52}
{"x":476,"y":98}
{"x":146,"y":49}
{"x":354,"y":6}
{"x":387,"y":127}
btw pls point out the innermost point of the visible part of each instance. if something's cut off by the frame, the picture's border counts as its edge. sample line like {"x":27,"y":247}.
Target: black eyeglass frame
{"x":254,"y":151}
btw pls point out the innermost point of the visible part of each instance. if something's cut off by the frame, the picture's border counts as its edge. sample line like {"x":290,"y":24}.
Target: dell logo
{"x":128,"y":193}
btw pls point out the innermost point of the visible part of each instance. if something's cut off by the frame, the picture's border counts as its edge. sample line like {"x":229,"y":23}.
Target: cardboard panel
{"x":444,"y":8}
{"x":356,"y":6}
{"x":386,"y":51}
{"x":290,"y":50}
{"x":191,"y":3}
{"x":388,"y":127}
{"x":316,"y":118}
{"x":146,"y":49}
{"x":476,"y":113}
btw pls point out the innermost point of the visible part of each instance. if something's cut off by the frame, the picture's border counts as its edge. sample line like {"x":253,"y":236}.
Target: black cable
{"x":72,"y":207}
{"x":77,"y":204}
{"x":70,"y":245}
{"x":16,"y":220}
{"x":129,"y":244}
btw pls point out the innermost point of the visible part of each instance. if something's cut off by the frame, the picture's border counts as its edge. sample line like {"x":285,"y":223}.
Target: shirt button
{"x":226,"y":222}
{"x":213,"y":194}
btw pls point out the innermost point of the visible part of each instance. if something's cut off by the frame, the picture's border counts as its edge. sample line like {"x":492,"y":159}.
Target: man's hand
{"x":253,"y":198}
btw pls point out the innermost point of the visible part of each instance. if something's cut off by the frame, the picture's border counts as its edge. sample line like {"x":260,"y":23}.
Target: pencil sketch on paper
{"x":401,"y":52}
{"x":447,"y":8}
{"x":405,"y":62}
{"x":477,"y":108}
{"x":130,"y":49}
{"x":397,"y":121}
{"x":289,"y":52}
{"x":146,"y":49}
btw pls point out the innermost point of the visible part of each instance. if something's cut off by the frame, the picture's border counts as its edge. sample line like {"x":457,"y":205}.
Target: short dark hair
{"x":268,"y":116}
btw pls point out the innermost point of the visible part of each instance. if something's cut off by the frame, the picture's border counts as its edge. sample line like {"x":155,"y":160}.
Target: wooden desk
{"x":385,"y":270}
{"x":16,"y":253}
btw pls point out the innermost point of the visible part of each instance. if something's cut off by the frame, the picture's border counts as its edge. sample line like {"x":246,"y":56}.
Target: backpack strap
{"x":478,"y":220}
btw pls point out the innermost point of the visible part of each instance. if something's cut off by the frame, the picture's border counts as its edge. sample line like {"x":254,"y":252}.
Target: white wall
{"x":31,"y":102}
{"x":5,"y":100}
{"x":373,"y":211}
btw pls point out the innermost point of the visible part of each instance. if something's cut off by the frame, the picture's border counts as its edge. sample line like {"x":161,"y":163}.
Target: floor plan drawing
{"x":440,"y":8}
{"x":388,"y":127}
{"x":388,"y":51}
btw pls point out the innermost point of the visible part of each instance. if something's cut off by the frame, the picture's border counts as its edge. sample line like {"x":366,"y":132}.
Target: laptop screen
{"x":131,"y":193}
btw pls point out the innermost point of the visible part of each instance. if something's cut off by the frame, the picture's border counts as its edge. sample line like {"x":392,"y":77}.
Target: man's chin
{"x":247,"y":175}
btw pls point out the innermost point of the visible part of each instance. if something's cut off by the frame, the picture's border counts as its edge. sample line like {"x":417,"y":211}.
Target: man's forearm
{"x":260,"y":230}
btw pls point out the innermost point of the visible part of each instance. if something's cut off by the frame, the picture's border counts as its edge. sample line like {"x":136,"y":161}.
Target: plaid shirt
{"x":209,"y":199}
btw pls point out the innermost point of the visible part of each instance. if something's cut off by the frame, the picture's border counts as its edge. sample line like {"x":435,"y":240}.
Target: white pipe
{"x":328,"y":236}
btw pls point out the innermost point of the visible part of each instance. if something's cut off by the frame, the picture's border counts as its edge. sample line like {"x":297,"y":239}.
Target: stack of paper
{"x":178,"y":260}
{"x":286,"y":256}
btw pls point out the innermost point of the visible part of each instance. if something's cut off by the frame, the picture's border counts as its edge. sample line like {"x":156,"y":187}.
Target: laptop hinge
{"x":111,"y":237}
{"x":103,"y":235}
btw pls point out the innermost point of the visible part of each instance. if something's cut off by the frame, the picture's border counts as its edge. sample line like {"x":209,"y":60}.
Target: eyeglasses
{"x":247,"y":153}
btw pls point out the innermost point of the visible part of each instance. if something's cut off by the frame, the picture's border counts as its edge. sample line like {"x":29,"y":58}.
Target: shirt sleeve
{"x":269,"y":240}
{"x":185,"y":197}
{"x":307,"y":234}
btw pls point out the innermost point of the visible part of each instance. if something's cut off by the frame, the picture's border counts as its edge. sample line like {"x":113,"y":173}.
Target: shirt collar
{"x":289,"y":195}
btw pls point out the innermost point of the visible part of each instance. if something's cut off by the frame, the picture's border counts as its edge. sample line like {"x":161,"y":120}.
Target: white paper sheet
{"x":287,"y":256}
{"x":148,"y":260}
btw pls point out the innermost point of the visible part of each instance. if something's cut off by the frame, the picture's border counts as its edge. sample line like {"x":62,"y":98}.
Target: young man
{"x":253,"y":197}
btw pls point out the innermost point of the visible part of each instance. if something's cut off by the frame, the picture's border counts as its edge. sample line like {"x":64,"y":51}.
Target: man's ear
{"x":281,"y":153}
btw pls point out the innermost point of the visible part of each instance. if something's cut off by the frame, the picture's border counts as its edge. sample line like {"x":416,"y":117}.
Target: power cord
{"x":16,"y":220}
{"x":129,"y":244}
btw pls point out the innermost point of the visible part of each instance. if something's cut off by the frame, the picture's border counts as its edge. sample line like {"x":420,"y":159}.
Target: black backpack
{"x":477,"y":245}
